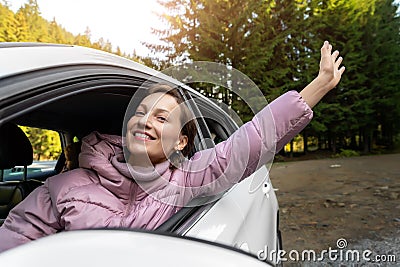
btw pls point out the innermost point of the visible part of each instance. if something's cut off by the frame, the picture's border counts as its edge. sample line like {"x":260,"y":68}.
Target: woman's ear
{"x":183,"y":140}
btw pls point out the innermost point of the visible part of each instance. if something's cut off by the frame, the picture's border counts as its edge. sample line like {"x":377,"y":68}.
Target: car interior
{"x":73,"y":117}
{"x":16,"y":151}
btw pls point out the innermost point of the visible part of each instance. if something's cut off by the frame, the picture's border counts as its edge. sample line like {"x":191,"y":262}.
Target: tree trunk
{"x":353,"y":142}
{"x":320,"y":140}
{"x":367,"y":141}
{"x":333,"y":143}
{"x":305,"y":142}
{"x":291,"y":148}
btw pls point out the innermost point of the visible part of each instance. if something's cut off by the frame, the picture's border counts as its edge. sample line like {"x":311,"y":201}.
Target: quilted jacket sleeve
{"x":251,"y":146}
{"x":31,"y":219}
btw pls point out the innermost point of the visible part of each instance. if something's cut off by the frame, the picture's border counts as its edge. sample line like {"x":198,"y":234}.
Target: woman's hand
{"x":328,"y":77}
{"x":329,"y":72}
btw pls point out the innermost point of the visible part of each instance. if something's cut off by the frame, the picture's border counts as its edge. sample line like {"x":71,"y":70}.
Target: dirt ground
{"x":326,"y":199}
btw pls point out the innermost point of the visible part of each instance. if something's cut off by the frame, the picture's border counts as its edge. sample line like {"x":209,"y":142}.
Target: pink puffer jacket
{"x":103,"y":193}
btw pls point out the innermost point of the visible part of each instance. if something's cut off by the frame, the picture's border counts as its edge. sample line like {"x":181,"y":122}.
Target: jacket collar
{"x":104,"y":155}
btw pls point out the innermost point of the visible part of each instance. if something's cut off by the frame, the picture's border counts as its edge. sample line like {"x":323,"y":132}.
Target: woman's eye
{"x":139,"y":113}
{"x":162,"y":119}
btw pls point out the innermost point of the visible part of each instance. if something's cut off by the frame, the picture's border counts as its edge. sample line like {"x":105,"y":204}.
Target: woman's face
{"x":154,"y":131}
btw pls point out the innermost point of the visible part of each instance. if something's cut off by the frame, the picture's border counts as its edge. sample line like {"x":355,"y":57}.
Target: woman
{"x":107,"y":192}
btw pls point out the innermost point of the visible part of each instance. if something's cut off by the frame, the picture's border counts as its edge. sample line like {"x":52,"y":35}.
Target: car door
{"x":246,"y":216}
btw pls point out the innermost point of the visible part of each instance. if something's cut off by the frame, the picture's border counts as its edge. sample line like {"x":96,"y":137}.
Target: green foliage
{"x":396,"y":145}
{"x":346,"y":153}
{"x":8,"y":25}
{"x":46,"y":144}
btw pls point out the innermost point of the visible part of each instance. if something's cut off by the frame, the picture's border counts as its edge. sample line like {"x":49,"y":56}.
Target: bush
{"x":346,"y":153}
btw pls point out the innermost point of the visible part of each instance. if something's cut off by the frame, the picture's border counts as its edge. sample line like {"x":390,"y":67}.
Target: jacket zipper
{"x":132,"y":199}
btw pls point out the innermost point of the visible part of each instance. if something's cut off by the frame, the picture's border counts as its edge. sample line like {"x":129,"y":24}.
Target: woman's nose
{"x":145,"y":121}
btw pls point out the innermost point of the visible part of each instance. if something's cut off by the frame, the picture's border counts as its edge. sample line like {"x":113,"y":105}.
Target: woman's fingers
{"x":338,"y":62}
{"x":325,"y":49}
{"x":341,"y":70}
{"x":335,"y":55}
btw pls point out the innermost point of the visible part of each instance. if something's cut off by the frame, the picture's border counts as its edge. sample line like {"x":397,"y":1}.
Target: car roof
{"x":22,"y":57}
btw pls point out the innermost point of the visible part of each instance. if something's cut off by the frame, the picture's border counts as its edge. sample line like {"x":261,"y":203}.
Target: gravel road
{"x":355,"y":199}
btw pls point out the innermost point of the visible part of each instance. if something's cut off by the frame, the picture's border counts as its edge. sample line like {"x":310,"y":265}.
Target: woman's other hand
{"x":329,"y":71}
{"x":328,"y":77}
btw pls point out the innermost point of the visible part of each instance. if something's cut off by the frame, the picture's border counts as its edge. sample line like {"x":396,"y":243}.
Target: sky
{"x":125,"y":23}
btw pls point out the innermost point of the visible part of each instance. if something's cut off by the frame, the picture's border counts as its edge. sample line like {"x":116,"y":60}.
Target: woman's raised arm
{"x":328,"y":77}
{"x":256,"y":142}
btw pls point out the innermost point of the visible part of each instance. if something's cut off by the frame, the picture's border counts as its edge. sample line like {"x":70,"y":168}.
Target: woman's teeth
{"x":142,"y":135}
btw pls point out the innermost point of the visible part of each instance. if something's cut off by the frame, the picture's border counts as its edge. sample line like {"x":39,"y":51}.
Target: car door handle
{"x":266,"y":188}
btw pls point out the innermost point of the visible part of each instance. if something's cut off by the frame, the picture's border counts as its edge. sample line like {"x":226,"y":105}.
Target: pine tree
{"x":83,"y":40}
{"x":56,"y":34}
{"x":22,"y":27}
{"x":38,"y":27}
{"x":8,"y":25}
{"x":382,"y":41}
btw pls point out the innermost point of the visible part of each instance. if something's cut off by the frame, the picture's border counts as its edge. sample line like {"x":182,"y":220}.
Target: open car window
{"x":215,"y":127}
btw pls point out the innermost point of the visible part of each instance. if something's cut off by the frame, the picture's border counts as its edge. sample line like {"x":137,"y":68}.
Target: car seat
{"x":15,"y":150}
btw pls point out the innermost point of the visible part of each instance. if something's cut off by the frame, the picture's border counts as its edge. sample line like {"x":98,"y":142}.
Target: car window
{"x":46,"y":145}
{"x":187,"y":216}
{"x":218,"y":133}
{"x":212,"y":133}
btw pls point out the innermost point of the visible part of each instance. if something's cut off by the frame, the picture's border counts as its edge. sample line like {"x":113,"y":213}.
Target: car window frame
{"x":182,"y":221}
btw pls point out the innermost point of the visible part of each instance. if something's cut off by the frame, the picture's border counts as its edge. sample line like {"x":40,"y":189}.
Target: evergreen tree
{"x":22,"y":27}
{"x":382,"y":41}
{"x":38,"y":27}
{"x":56,"y":34}
{"x":8,"y":25}
{"x":83,"y":40}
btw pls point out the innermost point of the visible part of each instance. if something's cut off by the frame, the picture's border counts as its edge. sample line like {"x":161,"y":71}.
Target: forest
{"x":276,"y":43}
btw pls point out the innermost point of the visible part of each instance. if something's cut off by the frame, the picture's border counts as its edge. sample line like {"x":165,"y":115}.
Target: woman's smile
{"x":143,"y":136}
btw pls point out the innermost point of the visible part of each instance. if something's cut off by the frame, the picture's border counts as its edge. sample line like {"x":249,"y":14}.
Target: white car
{"x":65,"y":88}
